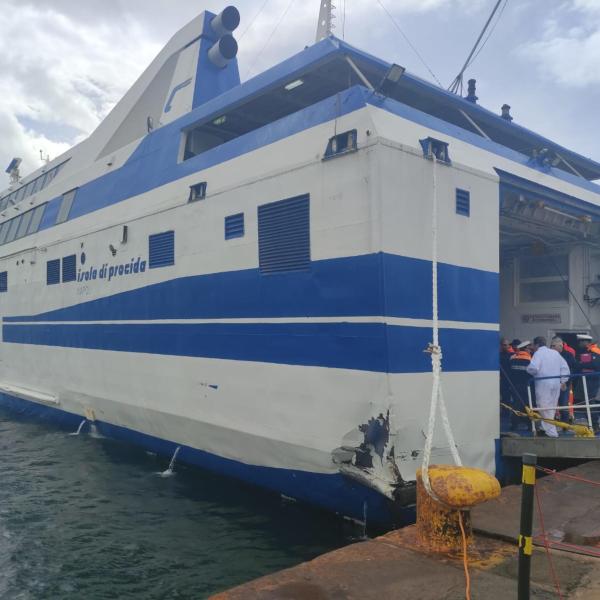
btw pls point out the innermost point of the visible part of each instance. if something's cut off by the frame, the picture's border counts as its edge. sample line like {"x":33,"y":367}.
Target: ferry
{"x":243,"y":270}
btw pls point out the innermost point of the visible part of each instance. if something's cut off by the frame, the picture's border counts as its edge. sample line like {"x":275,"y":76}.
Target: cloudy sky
{"x":64,"y":63}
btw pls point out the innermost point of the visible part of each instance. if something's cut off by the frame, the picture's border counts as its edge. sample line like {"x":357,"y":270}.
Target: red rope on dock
{"x":546,"y":545}
{"x":567,"y":476}
{"x":566,"y":546}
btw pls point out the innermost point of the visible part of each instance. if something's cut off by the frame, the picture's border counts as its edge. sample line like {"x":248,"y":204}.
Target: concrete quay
{"x":396,"y":565}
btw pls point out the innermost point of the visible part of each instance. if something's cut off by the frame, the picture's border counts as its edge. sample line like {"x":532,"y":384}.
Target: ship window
{"x":3,"y":281}
{"x":432,"y":147}
{"x":24,"y":224}
{"x":268,"y":107}
{"x":36,"y":219}
{"x":544,"y":278}
{"x":197,"y":192}
{"x":12,"y":230}
{"x":161,"y":251}
{"x":53,"y":271}
{"x":19,"y":195}
{"x":29,"y":189}
{"x":234,"y":226}
{"x":463,"y":203}
{"x":65,"y":206}
{"x":284,"y":235}
{"x":50,"y":175}
{"x":69,"y":268}
{"x":342,"y":143}
{"x":3,"y":231}
{"x":37,"y":184}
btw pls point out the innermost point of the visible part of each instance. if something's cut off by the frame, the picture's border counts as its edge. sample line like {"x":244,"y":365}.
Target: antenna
{"x":456,"y":86}
{"x":44,"y":159}
{"x":326,"y":17}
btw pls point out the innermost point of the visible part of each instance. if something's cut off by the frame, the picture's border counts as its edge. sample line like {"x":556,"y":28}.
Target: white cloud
{"x":58,"y":71}
{"x":569,"y":52}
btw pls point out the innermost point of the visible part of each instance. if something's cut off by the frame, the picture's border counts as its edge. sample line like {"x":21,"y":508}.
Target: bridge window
{"x":197,"y":192}
{"x":342,"y":143}
{"x":12,"y":229}
{"x":65,"y":206}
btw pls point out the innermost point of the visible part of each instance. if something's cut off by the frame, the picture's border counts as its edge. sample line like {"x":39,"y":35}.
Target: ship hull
{"x":330,"y":491}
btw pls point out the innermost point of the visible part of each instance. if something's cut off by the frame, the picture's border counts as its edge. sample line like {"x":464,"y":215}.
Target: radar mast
{"x":326,"y":16}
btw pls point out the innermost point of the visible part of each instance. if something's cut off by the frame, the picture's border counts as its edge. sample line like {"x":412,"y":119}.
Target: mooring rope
{"x":437,"y":394}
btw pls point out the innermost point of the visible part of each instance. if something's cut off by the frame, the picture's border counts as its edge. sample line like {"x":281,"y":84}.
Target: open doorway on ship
{"x":549,"y":276}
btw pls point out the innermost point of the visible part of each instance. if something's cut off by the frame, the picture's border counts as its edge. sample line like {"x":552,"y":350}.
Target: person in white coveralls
{"x":548,"y":363}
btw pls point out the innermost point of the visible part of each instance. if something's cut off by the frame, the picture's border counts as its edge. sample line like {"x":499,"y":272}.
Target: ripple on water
{"x":88,"y":518}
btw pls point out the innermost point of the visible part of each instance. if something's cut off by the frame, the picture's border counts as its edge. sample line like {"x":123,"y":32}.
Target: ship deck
{"x":545,"y":447}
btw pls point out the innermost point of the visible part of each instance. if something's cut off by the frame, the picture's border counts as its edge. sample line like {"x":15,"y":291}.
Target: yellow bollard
{"x":458,"y":489}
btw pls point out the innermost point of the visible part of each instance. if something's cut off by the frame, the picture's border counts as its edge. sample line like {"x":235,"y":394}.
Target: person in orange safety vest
{"x":589,"y":361}
{"x":519,"y":377}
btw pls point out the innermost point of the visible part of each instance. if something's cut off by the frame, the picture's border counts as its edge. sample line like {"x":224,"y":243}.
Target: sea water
{"x":85,"y":517}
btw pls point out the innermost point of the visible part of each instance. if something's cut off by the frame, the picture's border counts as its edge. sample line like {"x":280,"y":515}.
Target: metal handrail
{"x":587,"y":405}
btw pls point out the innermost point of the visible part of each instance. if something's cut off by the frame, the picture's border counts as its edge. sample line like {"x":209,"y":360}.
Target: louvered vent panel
{"x":161,"y":250}
{"x":53,"y":271}
{"x":3,"y":281}
{"x":284,"y":235}
{"x":463,"y":203}
{"x":69,"y":268}
{"x":234,"y":226}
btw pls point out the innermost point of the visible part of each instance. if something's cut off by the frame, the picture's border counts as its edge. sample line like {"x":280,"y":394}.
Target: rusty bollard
{"x":458,"y":489}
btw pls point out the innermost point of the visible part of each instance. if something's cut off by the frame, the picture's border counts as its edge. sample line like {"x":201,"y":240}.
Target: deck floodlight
{"x":394,"y":73}
{"x":391,"y":78}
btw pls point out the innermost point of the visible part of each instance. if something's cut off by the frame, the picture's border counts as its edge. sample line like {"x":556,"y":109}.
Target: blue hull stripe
{"x":331,"y":492}
{"x":361,"y":346}
{"x":350,"y":286}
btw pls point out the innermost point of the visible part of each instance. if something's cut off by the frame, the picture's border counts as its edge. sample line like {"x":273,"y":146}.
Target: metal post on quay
{"x":526,"y":528}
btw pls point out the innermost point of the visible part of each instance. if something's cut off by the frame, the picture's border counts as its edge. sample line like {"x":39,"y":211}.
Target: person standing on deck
{"x":506,"y":351}
{"x":558,"y":345}
{"x":589,"y":362}
{"x":548,"y":363}
{"x":519,"y":377}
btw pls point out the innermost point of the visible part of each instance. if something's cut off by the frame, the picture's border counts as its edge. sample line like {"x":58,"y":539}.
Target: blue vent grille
{"x":3,"y":281}
{"x":463,"y":203}
{"x":284,"y":235}
{"x":234,"y":226}
{"x":53,"y":271}
{"x":161,"y":250}
{"x":69,"y":268}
